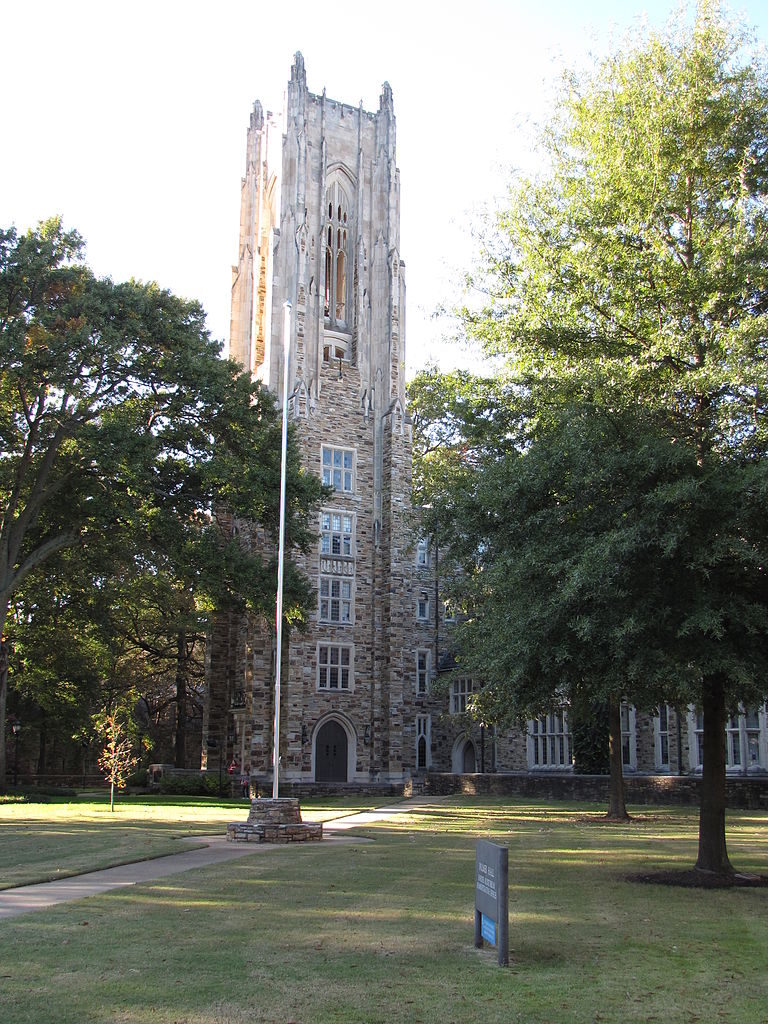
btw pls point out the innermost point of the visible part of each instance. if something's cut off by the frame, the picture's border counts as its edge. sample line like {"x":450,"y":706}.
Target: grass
{"x":44,"y":841}
{"x":381,"y":931}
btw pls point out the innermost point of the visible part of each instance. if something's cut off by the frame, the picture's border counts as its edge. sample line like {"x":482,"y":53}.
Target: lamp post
{"x":16,"y":729}
{"x":84,"y":744}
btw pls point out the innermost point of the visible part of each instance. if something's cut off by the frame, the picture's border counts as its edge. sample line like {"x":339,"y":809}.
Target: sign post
{"x":492,"y":897}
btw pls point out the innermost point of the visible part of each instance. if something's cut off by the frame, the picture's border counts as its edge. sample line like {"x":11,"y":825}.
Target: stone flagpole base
{"x":275,"y":820}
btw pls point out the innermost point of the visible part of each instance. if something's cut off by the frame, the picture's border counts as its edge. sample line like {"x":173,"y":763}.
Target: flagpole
{"x":281,"y":547}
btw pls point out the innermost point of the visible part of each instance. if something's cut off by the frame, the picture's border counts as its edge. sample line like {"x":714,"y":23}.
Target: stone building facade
{"x":320,"y":229}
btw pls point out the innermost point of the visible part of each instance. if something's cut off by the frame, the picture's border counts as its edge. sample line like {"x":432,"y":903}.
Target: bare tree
{"x":116,"y":759}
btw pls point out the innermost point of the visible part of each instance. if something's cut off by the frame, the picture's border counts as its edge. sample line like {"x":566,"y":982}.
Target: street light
{"x":16,"y":729}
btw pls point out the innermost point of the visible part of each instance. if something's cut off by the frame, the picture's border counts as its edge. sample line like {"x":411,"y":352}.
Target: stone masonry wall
{"x":751,"y":793}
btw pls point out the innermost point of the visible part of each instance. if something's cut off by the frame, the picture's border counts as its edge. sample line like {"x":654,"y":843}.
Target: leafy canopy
{"x":613,"y":540}
{"x":634,"y":269}
{"x":117,"y":413}
{"x":602,"y":494}
{"x":129,"y":444}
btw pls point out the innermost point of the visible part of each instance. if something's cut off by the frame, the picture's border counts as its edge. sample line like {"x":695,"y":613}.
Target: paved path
{"x":26,"y":898}
{"x":365,"y":817}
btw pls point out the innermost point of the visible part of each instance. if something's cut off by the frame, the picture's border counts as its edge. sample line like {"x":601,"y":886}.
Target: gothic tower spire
{"x":320,"y":227}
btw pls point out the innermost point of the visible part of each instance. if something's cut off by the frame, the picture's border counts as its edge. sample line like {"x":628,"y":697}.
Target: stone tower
{"x":320,"y":228}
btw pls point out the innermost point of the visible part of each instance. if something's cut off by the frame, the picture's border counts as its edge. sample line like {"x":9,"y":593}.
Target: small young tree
{"x":116,"y":759}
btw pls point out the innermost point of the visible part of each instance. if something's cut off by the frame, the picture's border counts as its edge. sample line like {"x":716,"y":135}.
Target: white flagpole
{"x":281,"y":546}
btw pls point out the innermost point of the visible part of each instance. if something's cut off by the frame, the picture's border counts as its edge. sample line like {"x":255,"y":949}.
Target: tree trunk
{"x":42,"y":757}
{"x":5,"y":650}
{"x":713,"y":855}
{"x":617,"y":809}
{"x":112,"y":795}
{"x":181,"y":700}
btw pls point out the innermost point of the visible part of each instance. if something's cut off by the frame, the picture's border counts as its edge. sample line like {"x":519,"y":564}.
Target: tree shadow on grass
{"x":693,"y":878}
{"x":607,"y":819}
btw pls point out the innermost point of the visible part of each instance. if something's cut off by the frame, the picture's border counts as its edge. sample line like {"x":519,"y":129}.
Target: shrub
{"x":192,"y":784}
{"x":138,"y":779}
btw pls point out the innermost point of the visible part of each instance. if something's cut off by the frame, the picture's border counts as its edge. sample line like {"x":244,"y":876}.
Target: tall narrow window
{"x":340,"y":285}
{"x":661,"y":737}
{"x":628,"y":737}
{"x":699,"y":733}
{"x":422,"y":552}
{"x":733,"y":740}
{"x":423,"y":741}
{"x":423,"y":660}
{"x":752,"y":738}
{"x":336,"y":249}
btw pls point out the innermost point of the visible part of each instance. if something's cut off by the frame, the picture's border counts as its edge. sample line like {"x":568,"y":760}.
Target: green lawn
{"x":375,"y":932}
{"x":51,"y":840}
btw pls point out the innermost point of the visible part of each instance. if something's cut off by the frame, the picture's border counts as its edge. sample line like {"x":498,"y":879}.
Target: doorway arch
{"x":464,"y":757}
{"x":331,"y":752}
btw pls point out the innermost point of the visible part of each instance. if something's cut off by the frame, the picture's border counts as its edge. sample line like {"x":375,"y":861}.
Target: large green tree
{"x":60,"y":652}
{"x":631,"y":278}
{"x":125,"y":435}
{"x":600,"y":562}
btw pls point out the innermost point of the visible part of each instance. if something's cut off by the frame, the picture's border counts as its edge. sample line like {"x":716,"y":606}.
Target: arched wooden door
{"x":331,"y":753}
{"x":469,"y":758}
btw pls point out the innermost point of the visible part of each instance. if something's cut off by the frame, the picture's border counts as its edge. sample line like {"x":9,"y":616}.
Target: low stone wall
{"x":743,"y":792}
{"x":300,"y":789}
{"x":300,"y":832}
{"x":68,"y":780}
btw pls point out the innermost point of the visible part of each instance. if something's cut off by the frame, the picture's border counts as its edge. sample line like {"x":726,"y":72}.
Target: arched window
{"x":336,"y":250}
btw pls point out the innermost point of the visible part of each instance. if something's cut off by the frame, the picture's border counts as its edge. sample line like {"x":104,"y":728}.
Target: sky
{"x":129,"y":120}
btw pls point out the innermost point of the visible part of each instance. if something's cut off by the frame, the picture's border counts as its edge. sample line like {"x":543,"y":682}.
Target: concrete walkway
{"x":26,"y":898}
{"x":379,"y":814}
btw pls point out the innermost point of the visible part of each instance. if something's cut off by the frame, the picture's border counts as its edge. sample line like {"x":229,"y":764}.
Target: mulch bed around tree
{"x":694,"y":879}
{"x":606,"y":819}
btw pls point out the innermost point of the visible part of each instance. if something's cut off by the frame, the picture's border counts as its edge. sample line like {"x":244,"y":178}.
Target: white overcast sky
{"x":129,"y":119}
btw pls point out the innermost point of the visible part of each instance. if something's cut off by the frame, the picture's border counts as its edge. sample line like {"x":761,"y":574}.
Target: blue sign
{"x":488,"y":929}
